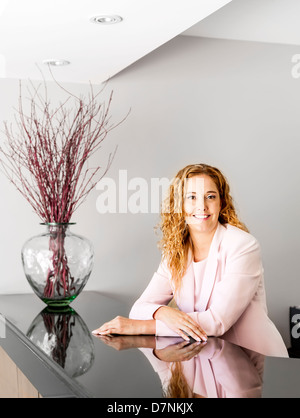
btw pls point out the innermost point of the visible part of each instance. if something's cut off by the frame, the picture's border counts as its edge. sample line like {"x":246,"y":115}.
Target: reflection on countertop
{"x":215,"y":369}
{"x":131,"y":366}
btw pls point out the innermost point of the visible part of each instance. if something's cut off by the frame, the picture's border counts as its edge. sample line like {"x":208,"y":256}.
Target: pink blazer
{"x":233,"y":301}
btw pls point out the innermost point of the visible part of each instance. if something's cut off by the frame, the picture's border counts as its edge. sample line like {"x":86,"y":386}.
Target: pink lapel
{"x":211,"y":268}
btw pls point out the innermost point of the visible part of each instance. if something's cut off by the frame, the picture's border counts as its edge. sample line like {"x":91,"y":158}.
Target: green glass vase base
{"x":59,"y":303}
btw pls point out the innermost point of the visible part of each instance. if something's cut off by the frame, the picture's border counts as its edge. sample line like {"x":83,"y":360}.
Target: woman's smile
{"x":202,"y":217}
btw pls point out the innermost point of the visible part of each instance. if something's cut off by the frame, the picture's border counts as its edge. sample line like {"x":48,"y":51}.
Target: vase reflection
{"x":216,"y":369}
{"x":65,"y":338}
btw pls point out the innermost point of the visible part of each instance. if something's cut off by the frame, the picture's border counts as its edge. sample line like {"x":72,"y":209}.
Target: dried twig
{"x":46,"y":155}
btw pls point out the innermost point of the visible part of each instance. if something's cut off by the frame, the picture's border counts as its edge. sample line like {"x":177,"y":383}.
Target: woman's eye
{"x":193,"y":197}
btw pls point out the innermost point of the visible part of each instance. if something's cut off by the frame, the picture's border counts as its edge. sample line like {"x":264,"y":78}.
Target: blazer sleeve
{"x":158,"y":293}
{"x":235,"y":291}
{"x":230,"y":296}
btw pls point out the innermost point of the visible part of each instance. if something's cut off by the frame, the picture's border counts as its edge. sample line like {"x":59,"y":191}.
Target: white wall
{"x":231,"y":104}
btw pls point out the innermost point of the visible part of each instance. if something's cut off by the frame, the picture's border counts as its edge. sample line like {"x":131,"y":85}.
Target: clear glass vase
{"x":57,"y":264}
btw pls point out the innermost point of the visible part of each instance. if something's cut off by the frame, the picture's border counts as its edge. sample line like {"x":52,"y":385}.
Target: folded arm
{"x":231,"y":296}
{"x":148,"y":309}
{"x":153,"y":305}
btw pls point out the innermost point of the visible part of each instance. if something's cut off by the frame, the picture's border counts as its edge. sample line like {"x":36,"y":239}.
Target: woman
{"x":211,"y":266}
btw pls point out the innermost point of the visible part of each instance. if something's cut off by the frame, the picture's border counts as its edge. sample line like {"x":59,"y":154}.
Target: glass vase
{"x":57,"y":264}
{"x":65,"y":338}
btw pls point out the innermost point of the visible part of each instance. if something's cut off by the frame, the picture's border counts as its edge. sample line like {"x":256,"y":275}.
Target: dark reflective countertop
{"x":61,"y":357}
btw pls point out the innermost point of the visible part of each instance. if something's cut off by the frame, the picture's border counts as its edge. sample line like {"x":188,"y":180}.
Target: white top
{"x":199,"y":270}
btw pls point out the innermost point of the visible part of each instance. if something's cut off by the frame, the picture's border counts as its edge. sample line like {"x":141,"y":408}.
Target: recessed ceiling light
{"x":106,"y":19}
{"x":56,"y":63}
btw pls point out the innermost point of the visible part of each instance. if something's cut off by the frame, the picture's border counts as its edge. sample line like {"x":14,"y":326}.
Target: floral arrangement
{"x":46,"y":156}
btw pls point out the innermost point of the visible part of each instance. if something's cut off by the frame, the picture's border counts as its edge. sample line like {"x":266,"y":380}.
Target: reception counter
{"x":49,"y":354}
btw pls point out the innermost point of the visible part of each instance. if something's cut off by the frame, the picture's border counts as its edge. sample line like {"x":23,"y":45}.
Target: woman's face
{"x":202,"y":203}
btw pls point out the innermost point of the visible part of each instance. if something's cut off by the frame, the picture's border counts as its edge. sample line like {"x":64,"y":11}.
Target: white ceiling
{"x":32,"y":31}
{"x":274,"y":21}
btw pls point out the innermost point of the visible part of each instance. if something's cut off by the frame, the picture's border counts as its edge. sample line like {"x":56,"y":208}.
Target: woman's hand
{"x":125,"y":342}
{"x":126,"y":326}
{"x":183,"y":351}
{"x":181,"y":323}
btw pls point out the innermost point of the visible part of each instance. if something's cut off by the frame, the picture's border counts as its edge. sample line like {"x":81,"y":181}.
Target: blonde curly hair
{"x":176,"y":241}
